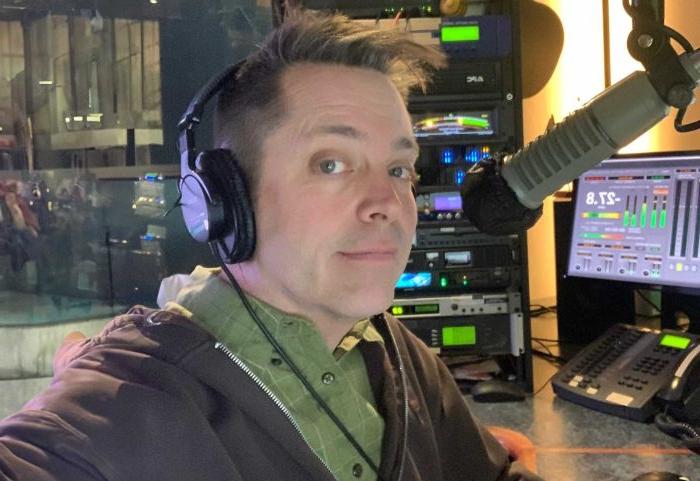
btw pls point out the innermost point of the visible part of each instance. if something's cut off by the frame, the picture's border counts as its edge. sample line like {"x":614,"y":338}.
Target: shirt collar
{"x":208,"y":292}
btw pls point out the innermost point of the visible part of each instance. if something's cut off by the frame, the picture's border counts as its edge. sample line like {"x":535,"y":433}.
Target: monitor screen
{"x":637,"y":219}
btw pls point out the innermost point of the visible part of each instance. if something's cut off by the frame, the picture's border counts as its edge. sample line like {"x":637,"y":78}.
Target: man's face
{"x":335,"y":212}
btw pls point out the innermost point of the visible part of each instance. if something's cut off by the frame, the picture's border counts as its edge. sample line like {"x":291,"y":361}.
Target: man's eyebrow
{"x":337,"y":129}
{"x":402,"y":143}
{"x":406,"y":143}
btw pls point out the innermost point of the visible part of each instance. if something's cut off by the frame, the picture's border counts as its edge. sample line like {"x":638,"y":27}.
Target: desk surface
{"x":574,"y":443}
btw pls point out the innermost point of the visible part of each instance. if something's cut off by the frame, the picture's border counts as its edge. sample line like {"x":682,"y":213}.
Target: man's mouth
{"x":376,"y":254}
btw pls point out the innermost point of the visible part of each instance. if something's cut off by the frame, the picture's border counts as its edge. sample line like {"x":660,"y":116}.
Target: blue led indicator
{"x":459,"y":176}
{"x":447,"y":156}
{"x":472,"y":156}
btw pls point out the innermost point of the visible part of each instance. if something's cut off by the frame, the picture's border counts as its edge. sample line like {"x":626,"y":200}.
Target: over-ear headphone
{"x":214,"y":197}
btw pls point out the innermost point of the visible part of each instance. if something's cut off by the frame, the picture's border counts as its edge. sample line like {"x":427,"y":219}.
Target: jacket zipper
{"x":221,"y":347}
{"x":404,"y":387}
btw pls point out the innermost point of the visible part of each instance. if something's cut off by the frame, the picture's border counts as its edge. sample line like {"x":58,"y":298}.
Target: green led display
{"x":458,"y":336}
{"x":426,"y":308}
{"x":677,"y":342}
{"x":459,"y":33}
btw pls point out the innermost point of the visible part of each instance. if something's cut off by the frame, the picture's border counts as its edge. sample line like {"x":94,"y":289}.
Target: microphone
{"x":504,"y":195}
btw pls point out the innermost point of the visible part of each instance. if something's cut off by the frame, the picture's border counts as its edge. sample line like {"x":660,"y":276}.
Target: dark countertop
{"x":574,"y":443}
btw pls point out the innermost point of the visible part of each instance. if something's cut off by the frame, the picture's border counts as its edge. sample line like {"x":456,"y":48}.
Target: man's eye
{"x":332,"y":166}
{"x":401,"y":172}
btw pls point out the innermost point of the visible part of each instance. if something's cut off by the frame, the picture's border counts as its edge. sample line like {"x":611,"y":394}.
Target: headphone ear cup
{"x":235,"y":238}
{"x":202,"y":206}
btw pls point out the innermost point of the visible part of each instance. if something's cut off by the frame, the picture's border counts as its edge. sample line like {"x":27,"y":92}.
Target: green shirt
{"x":340,"y":377}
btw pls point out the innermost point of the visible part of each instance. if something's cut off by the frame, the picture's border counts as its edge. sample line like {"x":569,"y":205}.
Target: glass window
{"x":89,"y":103}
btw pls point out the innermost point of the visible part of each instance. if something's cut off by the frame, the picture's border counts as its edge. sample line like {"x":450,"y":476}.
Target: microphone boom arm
{"x":589,"y":135}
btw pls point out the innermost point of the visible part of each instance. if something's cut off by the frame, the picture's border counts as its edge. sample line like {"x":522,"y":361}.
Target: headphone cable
{"x":297,"y":372}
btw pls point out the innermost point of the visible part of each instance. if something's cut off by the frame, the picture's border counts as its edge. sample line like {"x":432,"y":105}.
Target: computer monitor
{"x":637,"y":220}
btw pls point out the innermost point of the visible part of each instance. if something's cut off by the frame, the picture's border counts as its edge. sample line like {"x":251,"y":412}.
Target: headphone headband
{"x":193,"y":114}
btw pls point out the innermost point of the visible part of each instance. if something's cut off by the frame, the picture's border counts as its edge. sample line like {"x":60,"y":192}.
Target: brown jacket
{"x":153,"y":398}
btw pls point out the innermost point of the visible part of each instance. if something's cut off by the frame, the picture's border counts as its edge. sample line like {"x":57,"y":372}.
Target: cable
{"x":683,"y":431}
{"x":678,"y":122}
{"x":546,"y":348}
{"x":678,"y":37}
{"x":544,"y":339}
{"x":177,"y":202}
{"x":297,"y":372}
{"x":543,"y":385}
{"x":537,"y":310}
{"x":551,"y":358}
{"x":647,"y":300}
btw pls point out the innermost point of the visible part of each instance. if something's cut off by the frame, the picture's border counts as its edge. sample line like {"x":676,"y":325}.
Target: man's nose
{"x":380,"y":199}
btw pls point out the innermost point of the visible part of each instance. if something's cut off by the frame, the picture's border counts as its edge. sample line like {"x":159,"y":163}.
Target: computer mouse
{"x":660,"y":476}
{"x":495,"y":390}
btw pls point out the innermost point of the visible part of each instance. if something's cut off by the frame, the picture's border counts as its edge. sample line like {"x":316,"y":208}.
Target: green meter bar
{"x":674,"y":341}
{"x":459,"y":33}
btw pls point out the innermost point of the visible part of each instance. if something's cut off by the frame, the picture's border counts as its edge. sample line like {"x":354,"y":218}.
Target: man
{"x":196,"y":391}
